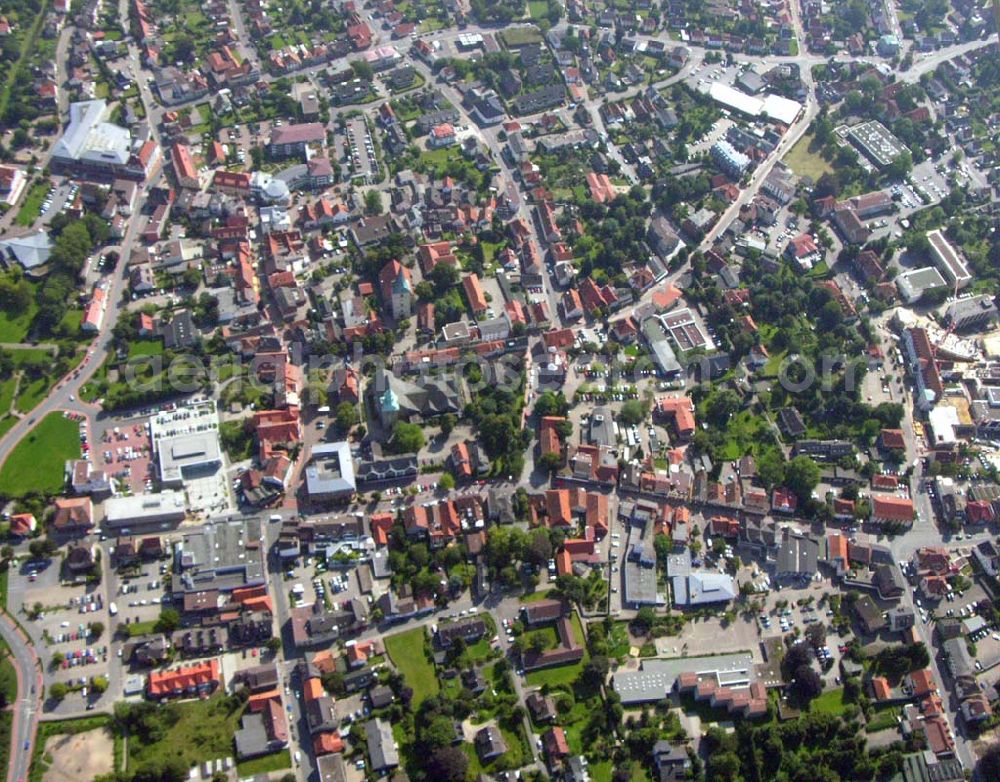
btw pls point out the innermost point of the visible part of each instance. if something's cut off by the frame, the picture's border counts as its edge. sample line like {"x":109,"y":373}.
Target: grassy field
{"x":8,"y":675}
{"x":883,"y":720}
{"x":538,"y":9}
{"x":36,"y":464}
{"x":406,"y":650}
{"x":276,"y":761}
{"x":145,"y":347}
{"x":140,"y":628}
{"x":830,"y":702}
{"x":521,"y":36}
{"x":203,"y":731}
{"x":805,"y":162}
{"x":562,"y":674}
{"x":14,"y":328}
{"x":7,"y":387}
{"x":31,"y":207}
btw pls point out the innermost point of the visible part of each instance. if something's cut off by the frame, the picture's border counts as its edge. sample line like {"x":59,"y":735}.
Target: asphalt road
{"x":27,"y":705}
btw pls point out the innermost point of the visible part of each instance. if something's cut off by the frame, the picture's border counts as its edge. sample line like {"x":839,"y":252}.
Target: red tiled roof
{"x":182,"y":680}
{"x":892,"y":508}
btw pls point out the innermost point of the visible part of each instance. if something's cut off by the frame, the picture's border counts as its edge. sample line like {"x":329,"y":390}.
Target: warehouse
{"x":144,"y":510}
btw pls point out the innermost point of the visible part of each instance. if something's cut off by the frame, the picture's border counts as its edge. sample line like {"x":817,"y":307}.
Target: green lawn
{"x":14,"y":328}
{"x":140,"y":628}
{"x":407,"y":652}
{"x":8,"y":676}
{"x":562,"y":674}
{"x":31,"y":207}
{"x":538,"y":9}
{"x":276,"y":761}
{"x":7,"y":393}
{"x":521,"y":36}
{"x":145,"y":347}
{"x":37,"y":462}
{"x":830,"y":702}
{"x":805,"y":162}
{"x":193,"y":731}
{"x":538,"y":594}
{"x":883,"y":720}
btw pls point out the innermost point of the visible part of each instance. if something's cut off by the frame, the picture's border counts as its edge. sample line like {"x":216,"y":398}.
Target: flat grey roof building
{"x":876,"y":142}
{"x":330,"y":472}
{"x":224,"y":555}
{"x":656,"y":677}
{"x":143,"y":509}
{"x":698,"y":589}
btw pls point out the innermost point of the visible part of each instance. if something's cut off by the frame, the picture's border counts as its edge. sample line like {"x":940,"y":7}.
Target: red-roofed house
{"x":549,"y":439}
{"x":554,"y":741}
{"x":22,"y":524}
{"x":557,"y":508}
{"x":381,"y":524}
{"x":442,"y":135}
{"x":892,"y":509}
{"x":922,"y":682}
{"x":784,"y":501}
{"x":979,"y":512}
{"x":184,"y":168}
{"x":892,"y":439}
{"x":474,"y":293}
{"x":679,"y":411}
{"x":200,"y":679}
{"x":360,"y":35}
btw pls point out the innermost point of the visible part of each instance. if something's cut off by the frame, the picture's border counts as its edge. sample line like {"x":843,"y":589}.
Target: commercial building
{"x":144,"y":510}
{"x":330,"y":472}
{"x":973,"y":313}
{"x":916,"y":282}
{"x":186,"y":443}
{"x":93,"y":147}
{"x":700,"y":589}
{"x":292,"y":140}
{"x":220,"y":557}
{"x":30,"y":251}
{"x":875,"y":142}
{"x":947,"y":260}
{"x":657,"y":678}
{"x":773,"y":107}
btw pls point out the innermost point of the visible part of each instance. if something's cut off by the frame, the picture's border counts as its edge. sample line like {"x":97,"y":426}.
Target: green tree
{"x":346,"y":416}
{"x":447,"y":482}
{"x":406,"y":438}
{"x":633,"y":412}
{"x":169,"y":620}
{"x":802,"y":476}
{"x":373,"y":202}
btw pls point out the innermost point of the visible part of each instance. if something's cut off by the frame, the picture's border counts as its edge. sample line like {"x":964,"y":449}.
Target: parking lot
{"x":139,"y":594}
{"x":313,"y":582}
{"x":72,"y":653}
{"x":124,"y":451}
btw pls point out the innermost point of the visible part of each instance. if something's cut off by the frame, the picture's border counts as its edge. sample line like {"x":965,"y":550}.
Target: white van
{"x":112,"y":609}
